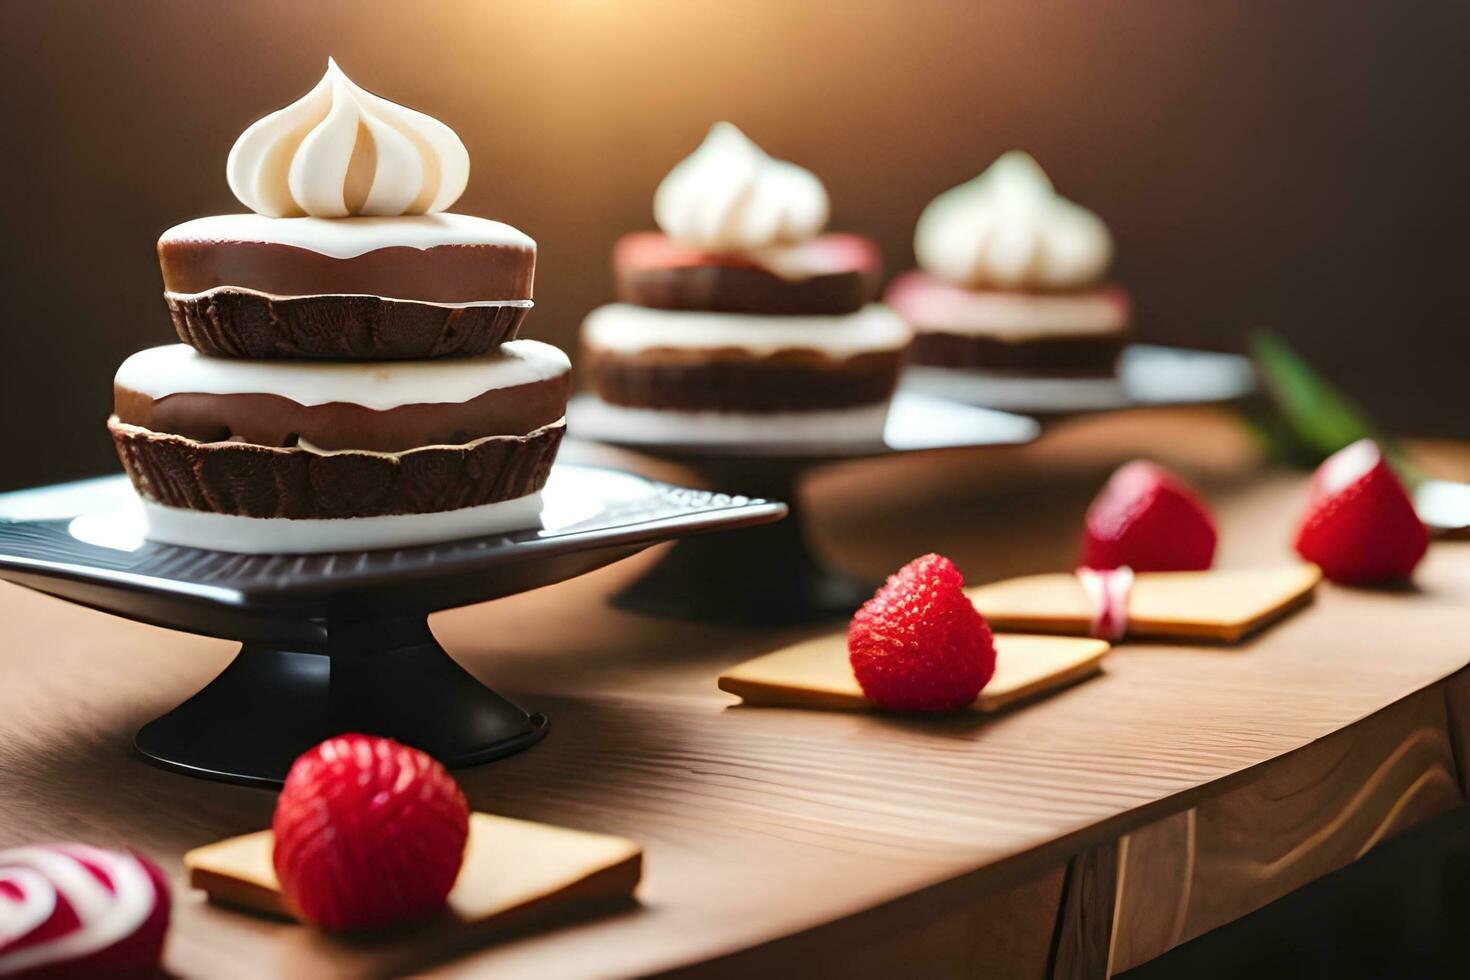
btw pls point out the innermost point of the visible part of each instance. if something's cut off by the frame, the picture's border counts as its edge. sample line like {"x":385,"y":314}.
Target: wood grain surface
{"x":1232,"y":854}
{"x":785,"y":837}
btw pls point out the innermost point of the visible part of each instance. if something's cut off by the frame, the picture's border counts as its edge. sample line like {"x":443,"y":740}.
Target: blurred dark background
{"x":1300,"y":165}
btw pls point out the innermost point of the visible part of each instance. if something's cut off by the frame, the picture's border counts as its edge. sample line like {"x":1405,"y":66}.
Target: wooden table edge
{"x":885,"y":930}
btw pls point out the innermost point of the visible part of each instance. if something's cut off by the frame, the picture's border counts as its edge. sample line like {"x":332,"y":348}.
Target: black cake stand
{"x":335,"y":643}
{"x":768,"y":575}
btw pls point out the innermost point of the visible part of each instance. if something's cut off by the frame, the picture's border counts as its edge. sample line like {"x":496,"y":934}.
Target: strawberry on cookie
{"x":919,"y":644}
{"x":368,"y":832}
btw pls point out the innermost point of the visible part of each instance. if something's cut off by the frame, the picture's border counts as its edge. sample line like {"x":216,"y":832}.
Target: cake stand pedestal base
{"x":768,"y":575}
{"x":764,"y":576}
{"x":336,"y":643}
{"x":383,"y":677}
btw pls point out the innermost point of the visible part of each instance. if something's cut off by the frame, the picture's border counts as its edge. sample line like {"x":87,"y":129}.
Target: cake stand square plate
{"x":916,"y":422}
{"x":337,"y":642}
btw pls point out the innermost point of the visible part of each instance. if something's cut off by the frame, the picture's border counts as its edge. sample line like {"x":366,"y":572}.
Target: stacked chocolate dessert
{"x":740,"y":321}
{"x":1011,"y":281}
{"x":349,"y":376}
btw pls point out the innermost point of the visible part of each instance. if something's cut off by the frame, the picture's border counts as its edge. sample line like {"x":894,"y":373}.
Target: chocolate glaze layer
{"x":732,"y":380}
{"x":275,"y":421}
{"x":1082,"y":355}
{"x":443,"y":274}
{"x":229,"y":323}
{"x":263,"y":481}
{"x":743,"y":289}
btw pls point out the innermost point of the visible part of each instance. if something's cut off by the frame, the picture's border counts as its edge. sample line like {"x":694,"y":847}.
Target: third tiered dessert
{"x":1011,"y":280}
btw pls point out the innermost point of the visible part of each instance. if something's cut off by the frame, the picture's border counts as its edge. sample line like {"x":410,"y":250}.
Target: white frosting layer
{"x":939,"y":307}
{"x":381,"y":385}
{"x":521,"y":303}
{"x":1027,"y":315}
{"x":730,"y":196}
{"x":628,"y":329}
{"x":285,"y":536}
{"x":1016,"y":392}
{"x":1008,"y":228}
{"x":345,"y":238}
{"x":593,"y":418}
{"x":341,"y":150}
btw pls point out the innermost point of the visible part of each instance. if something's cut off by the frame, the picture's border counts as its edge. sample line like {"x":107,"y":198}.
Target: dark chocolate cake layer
{"x":734,"y":381}
{"x":278,"y":422}
{"x":743,"y":289}
{"x":264,"y":481}
{"x":230,"y":323}
{"x":833,"y":274}
{"x":1069,"y":355}
{"x":442,"y":274}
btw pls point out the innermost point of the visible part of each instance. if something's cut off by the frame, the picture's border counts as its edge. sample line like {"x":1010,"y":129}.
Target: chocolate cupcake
{"x":1011,"y":281}
{"x":315,"y":405}
{"x":680,"y":376}
{"x":347,"y":254}
{"x":740,"y":320}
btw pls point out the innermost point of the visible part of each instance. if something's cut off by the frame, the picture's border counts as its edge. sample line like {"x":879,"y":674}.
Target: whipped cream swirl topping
{"x":1009,"y":229}
{"x":730,"y":196}
{"x":340,"y":150}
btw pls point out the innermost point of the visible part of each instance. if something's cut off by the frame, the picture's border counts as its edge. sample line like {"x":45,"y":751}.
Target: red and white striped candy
{"x":1108,"y":590}
{"x":72,"y":909}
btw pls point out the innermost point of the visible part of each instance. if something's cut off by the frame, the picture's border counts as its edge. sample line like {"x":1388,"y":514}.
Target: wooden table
{"x":1086,"y":833}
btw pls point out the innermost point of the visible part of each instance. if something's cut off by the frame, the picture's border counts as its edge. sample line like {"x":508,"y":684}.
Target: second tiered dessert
{"x":741,"y":322}
{"x":349,"y":376}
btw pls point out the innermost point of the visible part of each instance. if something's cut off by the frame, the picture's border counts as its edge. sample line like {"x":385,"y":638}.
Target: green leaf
{"x":1317,"y":416}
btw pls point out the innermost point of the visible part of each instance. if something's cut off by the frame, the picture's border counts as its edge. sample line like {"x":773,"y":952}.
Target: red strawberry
{"x":1360,"y":525}
{"x":1148,"y":519}
{"x":919,"y":644}
{"x":368,"y":832}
